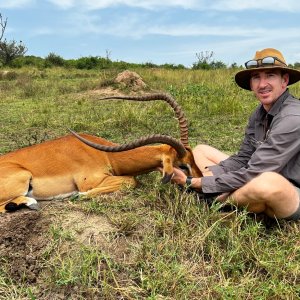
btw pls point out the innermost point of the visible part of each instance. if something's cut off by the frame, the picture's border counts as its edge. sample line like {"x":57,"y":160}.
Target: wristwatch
{"x":188,"y":181}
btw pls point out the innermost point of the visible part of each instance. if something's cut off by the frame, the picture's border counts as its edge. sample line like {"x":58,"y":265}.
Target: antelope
{"x":83,"y":164}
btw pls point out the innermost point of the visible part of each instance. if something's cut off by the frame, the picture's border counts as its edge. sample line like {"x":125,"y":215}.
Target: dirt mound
{"x":22,"y":241}
{"x":26,"y":235}
{"x":129,"y":79}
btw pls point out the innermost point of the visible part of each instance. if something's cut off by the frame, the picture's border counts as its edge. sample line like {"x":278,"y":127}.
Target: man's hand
{"x":179,"y":177}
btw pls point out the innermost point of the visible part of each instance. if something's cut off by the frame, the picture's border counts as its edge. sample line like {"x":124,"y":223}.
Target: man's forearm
{"x":196,"y":183}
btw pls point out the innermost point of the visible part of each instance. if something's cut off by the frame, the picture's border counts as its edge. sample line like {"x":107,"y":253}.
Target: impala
{"x":81,"y":164}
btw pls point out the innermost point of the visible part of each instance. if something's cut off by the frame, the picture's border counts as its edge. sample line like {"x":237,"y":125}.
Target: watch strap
{"x":188,"y":181}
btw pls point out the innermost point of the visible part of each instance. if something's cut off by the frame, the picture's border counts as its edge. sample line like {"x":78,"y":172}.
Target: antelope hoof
{"x":33,"y":206}
{"x":11,"y":206}
{"x":167,"y":178}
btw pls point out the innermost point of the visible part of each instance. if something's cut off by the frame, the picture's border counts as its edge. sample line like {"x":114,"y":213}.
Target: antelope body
{"x":80,"y":164}
{"x":63,"y":167}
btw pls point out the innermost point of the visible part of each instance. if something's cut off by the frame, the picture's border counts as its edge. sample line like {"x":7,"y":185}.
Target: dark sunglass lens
{"x":251,"y":64}
{"x":268,"y":60}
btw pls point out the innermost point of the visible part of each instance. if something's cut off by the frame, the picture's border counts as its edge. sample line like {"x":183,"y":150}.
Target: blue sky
{"x":157,"y":31}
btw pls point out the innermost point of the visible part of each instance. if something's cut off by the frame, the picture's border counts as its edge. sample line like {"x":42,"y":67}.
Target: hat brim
{"x":242,"y":78}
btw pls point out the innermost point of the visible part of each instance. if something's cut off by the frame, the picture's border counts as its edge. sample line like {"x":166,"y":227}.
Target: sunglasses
{"x":266,"y":61}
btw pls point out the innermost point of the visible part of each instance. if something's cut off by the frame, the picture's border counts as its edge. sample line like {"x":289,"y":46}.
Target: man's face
{"x":268,"y":85}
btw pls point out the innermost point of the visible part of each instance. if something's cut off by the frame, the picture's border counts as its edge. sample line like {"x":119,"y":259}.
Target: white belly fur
{"x":56,"y":197}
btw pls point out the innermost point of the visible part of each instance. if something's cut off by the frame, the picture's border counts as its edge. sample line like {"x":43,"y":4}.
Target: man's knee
{"x":214,"y":155}
{"x":203,"y":158}
{"x":201,"y":149}
{"x":268,"y":185}
{"x":270,"y":193}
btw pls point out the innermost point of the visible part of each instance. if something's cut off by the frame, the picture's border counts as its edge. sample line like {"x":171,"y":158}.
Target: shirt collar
{"x":275,"y":108}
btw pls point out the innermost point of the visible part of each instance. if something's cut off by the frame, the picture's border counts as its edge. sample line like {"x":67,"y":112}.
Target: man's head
{"x":265,"y":60}
{"x":268,"y":85}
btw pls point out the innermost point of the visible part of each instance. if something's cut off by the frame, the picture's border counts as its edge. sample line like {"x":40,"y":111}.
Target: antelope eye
{"x":183,"y":167}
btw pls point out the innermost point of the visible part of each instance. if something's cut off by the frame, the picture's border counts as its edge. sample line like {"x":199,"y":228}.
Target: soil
{"x":25,"y":235}
{"x":130,"y":80}
{"x":21,"y":241}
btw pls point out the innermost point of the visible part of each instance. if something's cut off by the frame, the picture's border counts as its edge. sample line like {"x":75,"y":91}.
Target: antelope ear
{"x":166,"y":178}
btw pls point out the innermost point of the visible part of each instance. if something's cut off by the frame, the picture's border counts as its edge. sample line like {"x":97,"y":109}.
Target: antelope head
{"x":172,"y":153}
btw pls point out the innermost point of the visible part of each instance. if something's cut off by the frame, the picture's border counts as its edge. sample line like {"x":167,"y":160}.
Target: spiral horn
{"x":147,"y":140}
{"x":183,"y":124}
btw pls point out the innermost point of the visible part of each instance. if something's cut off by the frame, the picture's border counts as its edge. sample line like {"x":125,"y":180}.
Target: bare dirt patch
{"x":22,"y":241}
{"x":26,"y":236}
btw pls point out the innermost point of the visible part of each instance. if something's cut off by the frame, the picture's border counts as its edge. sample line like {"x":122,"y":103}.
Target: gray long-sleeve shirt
{"x":266,"y":147}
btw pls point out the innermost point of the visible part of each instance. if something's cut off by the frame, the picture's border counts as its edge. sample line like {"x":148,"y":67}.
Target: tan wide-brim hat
{"x":242,"y":78}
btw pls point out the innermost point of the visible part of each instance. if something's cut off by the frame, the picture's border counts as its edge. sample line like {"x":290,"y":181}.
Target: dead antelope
{"x":71,"y":165}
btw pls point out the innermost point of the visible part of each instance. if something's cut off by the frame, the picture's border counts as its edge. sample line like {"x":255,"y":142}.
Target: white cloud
{"x":139,"y":26}
{"x":15,"y":3}
{"x":219,"y":5}
{"x":268,"y":5}
{"x":42,"y":31}
{"x":64,"y":4}
{"x":101,"y":4}
{"x":201,"y":5}
{"x":202,"y":30}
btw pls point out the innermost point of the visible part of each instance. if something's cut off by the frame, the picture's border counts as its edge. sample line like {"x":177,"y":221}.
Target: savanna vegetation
{"x":151,"y":242}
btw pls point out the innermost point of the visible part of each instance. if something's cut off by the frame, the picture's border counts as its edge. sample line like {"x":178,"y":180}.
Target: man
{"x":264,"y":176}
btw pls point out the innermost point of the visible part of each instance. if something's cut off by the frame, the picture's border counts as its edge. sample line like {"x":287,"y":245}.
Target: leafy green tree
{"x":297,"y":65}
{"x":54,"y":60}
{"x":29,"y":60}
{"x":234,"y":65}
{"x":217,"y":65}
{"x":205,"y":62}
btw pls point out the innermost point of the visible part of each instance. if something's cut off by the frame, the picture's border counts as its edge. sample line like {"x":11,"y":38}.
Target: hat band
{"x":264,"y":62}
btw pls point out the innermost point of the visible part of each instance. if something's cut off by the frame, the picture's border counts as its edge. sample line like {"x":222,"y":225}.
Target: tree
{"x":54,"y":60}
{"x":3,"y":24}
{"x":205,"y":61}
{"x":9,"y":50}
{"x":297,"y":65}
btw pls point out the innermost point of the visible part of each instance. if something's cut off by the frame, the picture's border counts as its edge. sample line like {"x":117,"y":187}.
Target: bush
{"x":28,"y":61}
{"x":8,"y":75}
{"x":173,"y":66}
{"x":54,"y":60}
{"x":10,"y":50}
{"x":93,"y":62}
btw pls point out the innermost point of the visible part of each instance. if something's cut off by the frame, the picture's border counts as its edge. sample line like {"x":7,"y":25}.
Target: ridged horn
{"x":147,"y":140}
{"x":183,"y":124}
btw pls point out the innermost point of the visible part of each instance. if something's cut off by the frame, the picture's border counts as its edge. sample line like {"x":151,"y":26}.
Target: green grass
{"x":165,"y":244}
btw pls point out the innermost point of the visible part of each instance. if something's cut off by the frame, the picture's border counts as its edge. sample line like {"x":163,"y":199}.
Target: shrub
{"x":93,"y":62}
{"x":54,"y":60}
{"x":30,"y":60}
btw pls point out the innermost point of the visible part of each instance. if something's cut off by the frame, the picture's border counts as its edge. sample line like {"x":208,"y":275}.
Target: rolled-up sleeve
{"x":279,"y":149}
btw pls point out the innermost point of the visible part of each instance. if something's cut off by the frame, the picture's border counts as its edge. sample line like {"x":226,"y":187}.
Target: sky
{"x":156,"y":31}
